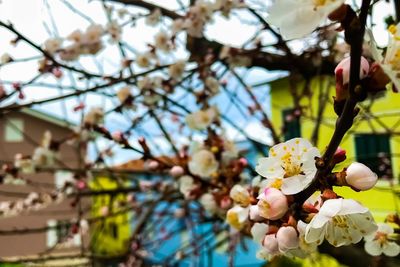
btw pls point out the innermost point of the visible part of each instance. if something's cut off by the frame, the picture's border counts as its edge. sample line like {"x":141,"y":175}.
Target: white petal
{"x":373,"y":248}
{"x":350,"y":206}
{"x":331,"y":207}
{"x":258,"y":231}
{"x":295,"y":184}
{"x":385,"y":228}
{"x":314,"y":234}
{"x":269,"y":167}
{"x":392,"y":249}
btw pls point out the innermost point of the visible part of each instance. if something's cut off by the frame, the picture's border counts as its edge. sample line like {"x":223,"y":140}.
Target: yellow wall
{"x":103,"y":241}
{"x":386,"y":108}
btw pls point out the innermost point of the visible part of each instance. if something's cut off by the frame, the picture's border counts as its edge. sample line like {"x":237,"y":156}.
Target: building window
{"x":14,"y":130}
{"x":291,"y":124}
{"x":59,"y":233}
{"x":373,"y":150}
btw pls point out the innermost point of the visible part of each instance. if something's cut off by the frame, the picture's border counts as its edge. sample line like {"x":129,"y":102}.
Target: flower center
{"x":291,"y":168}
{"x":340,"y":221}
{"x":318,"y":3}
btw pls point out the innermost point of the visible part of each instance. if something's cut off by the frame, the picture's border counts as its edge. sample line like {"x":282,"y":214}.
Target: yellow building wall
{"x":386,"y":111}
{"x":103,"y":241}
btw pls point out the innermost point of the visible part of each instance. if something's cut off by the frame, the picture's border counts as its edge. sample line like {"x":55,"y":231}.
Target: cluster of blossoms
{"x":210,"y":170}
{"x":82,"y":43}
{"x":271,"y":212}
{"x":45,"y":155}
{"x":34,"y":201}
{"x":201,"y":13}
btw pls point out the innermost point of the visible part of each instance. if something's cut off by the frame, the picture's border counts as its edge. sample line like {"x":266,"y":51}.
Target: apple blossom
{"x":379,"y":242}
{"x":208,"y":202}
{"x":94,"y":116}
{"x":240,"y":195}
{"x":360,"y":176}
{"x":272,"y":204}
{"x":162,"y":41}
{"x":290,"y":166}
{"x":186,"y":185}
{"x":201,"y":119}
{"x":296,"y":19}
{"x":52,"y":45}
{"x":143,"y":60}
{"x":154,"y":18}
{"x":203,"y":164}
{"x":212,"y":84}
{"x":123,"y":94}
{"x":341,"y":222}
{"x":176,"y":70}
{"x":237,"y":216}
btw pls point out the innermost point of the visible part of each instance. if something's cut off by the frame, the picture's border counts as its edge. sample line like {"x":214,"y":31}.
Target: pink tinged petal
{"x":392,"y":249}
{"x":295,"y":184}
{"x":373,"y":248}
{"x":258,"y":231}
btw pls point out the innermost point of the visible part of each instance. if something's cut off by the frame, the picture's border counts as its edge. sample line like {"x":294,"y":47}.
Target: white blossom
{"x":298,"y":18}
{"x":201,"y":119}
{"x":380,"y":242}
{"x":290,"y":166}
{"x":340,"y":222}
{"x":162,"y":41}
{"x":52,"y":45}
{"x":154,"y":18}
{"x":176,"y":70}
{"x":203,"y":164}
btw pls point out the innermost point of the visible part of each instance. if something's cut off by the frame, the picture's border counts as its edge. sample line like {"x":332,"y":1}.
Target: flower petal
{"x":392,"y":249}
{"x":373,"y":248}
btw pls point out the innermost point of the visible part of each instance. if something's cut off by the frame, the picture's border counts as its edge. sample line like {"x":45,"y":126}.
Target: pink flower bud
{"x":272,"y":204}
{"x":344,"y":67}
{"x":287,"y":238}
{"x":243,"y":161}
{"x":340,"y":155}
{"x":118,"y":136}
{"x":176,"y":171}
{"x":270,"y":243}
{"x":225,"y":202}
{"x":81,"y":185}
{"x":151,"y":165}
{"x":360,"y":177}
{"x":57,"y":73}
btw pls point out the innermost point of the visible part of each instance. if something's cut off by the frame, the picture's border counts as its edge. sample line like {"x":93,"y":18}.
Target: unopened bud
{"x":287,"y":238}
{"x":360,"y":177}
{"x":176,"y":171}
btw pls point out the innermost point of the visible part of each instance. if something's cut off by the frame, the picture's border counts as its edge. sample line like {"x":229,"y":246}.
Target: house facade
{"x":22,"y":132}
{"x":374,"y":138}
